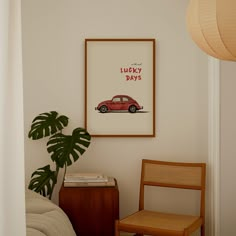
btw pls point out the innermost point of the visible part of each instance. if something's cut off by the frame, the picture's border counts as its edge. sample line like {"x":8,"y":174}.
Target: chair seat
{"x":162,"y":222}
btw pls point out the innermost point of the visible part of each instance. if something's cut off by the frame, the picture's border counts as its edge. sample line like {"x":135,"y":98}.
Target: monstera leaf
{"x":65,"y":149}
{"x":47,"y":124}
{"x":43,"y":181}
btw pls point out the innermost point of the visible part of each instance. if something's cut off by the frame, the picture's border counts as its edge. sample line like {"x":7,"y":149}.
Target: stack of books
{"x":88,"y":180}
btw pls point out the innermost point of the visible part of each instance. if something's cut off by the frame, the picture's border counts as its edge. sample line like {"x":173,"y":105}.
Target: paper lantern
{"x":212,"y":26}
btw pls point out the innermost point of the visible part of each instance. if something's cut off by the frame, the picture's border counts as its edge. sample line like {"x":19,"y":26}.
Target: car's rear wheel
{"x":132,"y":109}
{"x":103,"y":109}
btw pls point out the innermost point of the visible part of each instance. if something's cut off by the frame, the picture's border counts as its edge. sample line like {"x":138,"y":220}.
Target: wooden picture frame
{"x":115,"y":68}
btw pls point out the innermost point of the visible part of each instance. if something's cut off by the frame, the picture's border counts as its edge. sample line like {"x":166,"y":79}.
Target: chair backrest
{"x":174,"y":175}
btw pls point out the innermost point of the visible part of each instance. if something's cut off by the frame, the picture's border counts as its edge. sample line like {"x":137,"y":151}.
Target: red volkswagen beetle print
{"x":119,"y":103}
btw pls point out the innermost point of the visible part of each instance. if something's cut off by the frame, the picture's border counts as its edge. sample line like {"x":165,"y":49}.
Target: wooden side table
{"x":91,"y":210}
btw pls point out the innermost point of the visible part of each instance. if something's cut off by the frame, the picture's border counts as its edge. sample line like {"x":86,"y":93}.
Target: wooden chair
{"x":171,"y":175}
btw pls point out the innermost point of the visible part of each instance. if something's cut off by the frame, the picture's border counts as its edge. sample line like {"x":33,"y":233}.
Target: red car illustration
{"x":119,"y":103}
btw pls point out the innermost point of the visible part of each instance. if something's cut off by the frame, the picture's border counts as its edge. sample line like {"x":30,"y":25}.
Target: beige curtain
{"x":12,"y":187}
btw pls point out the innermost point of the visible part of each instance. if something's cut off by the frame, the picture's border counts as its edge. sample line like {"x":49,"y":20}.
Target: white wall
{"x":228,"y":150}
{"x":53,"y":57}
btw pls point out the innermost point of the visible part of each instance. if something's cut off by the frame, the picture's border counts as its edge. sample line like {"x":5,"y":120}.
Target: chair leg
{"x":203,"y":230}
{"x":117,"y":232}
{"x":186,"y":233}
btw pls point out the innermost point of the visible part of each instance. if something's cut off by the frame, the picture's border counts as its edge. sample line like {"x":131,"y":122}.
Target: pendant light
{"x":212,"y":26}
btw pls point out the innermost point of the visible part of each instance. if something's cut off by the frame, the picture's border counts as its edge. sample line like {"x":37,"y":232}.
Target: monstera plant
{"x":63,"y":149}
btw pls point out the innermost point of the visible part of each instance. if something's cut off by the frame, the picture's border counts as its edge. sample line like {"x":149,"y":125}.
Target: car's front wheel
{"x":103,"y":109}
{"x":132,"y":109}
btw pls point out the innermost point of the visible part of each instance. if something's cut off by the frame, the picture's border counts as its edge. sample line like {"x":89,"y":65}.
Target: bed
{"x":44,"y":218}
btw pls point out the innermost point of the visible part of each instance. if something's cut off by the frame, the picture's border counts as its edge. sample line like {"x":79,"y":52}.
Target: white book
{"x":105,"y":179}
{"x":109,"y":183}
{"x":85,"y":177}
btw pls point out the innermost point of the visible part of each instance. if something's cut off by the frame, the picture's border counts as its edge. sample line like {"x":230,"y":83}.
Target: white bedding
{"x":44,"y":218}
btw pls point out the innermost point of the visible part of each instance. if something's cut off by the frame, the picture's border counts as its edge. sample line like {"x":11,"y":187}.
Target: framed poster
{"x":120,"y":87}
